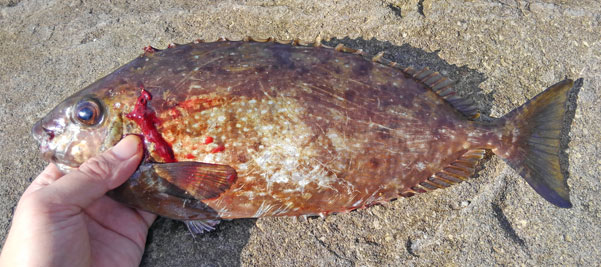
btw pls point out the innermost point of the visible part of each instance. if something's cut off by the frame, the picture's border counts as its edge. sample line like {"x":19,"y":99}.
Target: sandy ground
{"x":500,"y":52}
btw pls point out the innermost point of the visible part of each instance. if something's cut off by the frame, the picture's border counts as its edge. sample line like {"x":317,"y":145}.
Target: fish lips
{"x":43,"y":136}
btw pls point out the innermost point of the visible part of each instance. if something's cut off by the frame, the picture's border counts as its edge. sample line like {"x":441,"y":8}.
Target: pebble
{"x":387,"y":238}
{"x":377,"y":225}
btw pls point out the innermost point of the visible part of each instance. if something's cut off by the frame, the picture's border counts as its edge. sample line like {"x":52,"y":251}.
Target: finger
{"x":97,"y":175}
{"x":50,"y":174}
{"x":119,"y":218}
{"x":108,"y":211}
{"x":147,"y":216}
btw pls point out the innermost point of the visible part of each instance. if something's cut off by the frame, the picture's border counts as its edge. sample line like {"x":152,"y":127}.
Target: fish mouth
{"x":41,"y":133}
{"x":47,"y":151}
{"x":47,"y":154}
{"x":43,"y":136}
{"x":50,"y":156}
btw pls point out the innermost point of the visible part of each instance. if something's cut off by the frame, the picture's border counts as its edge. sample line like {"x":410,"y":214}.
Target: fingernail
{"x":127,"y":147}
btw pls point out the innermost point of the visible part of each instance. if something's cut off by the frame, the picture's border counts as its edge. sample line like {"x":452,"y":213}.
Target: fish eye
{"x":87,"y":112}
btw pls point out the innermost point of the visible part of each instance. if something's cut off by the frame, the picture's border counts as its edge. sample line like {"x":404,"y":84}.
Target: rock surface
{"x":501,"y":53}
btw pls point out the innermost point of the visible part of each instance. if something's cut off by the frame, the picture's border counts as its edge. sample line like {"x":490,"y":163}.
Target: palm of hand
{"x":67,"y":220}
{"x":105,"y":233}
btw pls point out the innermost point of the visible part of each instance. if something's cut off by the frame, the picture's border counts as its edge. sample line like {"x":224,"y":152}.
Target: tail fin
{"x":537,"y":128}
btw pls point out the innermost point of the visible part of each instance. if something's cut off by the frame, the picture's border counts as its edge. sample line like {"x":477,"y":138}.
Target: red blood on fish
{"x":147,"y":120}
{"x":175,"y":113}
{"x":208,"y":140}
{"x":218,"y":149}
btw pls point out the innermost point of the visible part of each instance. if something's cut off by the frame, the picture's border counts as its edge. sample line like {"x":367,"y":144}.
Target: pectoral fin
{"x":200,"y":180}
{"x":176,"y":190}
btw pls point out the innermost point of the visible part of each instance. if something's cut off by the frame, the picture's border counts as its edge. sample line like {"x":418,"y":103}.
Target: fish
{"x":265,"y":127}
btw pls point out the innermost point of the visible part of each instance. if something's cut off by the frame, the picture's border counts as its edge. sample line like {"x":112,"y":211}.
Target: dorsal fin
{"x":442,"y":86}
{"x":458,"y":171}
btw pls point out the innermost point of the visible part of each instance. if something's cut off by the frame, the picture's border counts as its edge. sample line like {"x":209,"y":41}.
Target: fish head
{"x":82,"y":126}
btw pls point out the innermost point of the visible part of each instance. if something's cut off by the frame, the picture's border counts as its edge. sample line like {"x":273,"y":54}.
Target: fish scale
{"x":253,"y":128}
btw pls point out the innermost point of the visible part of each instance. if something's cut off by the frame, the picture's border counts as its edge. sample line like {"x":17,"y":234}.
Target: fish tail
{"x":531,"y":144}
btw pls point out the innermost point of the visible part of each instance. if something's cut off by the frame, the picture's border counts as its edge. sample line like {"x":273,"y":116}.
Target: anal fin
{"x":442,"y":86}
{"x":456,"y":172}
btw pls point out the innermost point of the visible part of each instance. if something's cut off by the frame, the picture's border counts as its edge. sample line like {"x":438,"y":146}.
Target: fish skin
{"x":308,"y":130}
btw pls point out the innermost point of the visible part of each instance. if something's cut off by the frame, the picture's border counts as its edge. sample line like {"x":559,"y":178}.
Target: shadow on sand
{"x":169,"y":239}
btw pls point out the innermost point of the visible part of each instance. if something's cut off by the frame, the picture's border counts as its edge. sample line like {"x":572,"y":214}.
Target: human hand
{"x":67,"y":220}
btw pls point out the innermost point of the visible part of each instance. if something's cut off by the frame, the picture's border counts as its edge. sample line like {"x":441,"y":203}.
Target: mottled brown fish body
{"x":309,"y":130}
{"x":304,"y":130}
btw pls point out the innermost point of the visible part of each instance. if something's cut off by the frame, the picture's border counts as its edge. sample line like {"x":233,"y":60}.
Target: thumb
{"x":97,"y":175}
